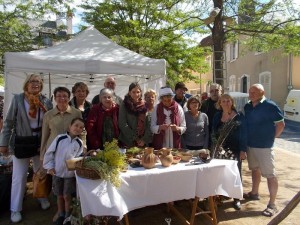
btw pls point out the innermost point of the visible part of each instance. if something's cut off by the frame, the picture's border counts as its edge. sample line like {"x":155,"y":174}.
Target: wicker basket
{"x":70,"y":163}
{"x":86,"y":172}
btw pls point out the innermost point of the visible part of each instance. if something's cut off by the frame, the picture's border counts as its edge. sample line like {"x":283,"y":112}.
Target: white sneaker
{"x":15,"y":217}
{"x":45,"y":204}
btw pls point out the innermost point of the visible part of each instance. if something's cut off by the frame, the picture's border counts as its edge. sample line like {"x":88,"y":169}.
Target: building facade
{"x":276,"y":71}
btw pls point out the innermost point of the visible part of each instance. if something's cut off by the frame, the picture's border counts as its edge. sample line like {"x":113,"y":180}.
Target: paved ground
{"x":289,"y":139}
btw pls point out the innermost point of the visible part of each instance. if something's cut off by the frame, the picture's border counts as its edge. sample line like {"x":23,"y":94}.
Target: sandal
{"x":270,"y":211}
{"x":251,"y":196}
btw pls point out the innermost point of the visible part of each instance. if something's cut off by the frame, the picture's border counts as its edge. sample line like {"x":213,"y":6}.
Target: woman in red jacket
{"x":102,"y":121}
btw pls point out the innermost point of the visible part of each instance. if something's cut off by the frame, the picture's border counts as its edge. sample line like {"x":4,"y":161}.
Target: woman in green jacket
{"x":134,"y":123}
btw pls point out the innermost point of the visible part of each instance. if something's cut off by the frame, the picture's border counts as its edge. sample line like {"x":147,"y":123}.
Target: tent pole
{"x":49,"y":87}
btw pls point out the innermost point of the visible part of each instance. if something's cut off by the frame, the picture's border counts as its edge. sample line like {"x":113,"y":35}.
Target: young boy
{"x":64,"y":146}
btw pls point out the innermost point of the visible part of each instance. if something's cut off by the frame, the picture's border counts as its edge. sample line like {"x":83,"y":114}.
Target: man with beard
{"x":209,"y":105}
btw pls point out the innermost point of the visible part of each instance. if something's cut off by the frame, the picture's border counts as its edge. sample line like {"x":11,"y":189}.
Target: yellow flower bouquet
{"x":108,"y":163}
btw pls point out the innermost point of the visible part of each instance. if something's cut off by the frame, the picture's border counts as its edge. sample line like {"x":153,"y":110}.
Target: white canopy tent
{"x":89,"y":57}
{"x":2,"y":91}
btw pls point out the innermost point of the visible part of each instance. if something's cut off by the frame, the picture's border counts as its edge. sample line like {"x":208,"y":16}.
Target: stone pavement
{"x":289,"y":139}
{"x":291,"y":146}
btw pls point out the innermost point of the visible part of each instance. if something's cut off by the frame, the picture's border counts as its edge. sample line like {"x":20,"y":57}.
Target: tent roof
{"x":89,"y":52}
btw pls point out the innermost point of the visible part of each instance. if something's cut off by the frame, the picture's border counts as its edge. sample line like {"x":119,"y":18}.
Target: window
{"x":232,"y":81}
{"x":265,"y":80}
{"x":244,"y":83}
{"x":233,"y":50}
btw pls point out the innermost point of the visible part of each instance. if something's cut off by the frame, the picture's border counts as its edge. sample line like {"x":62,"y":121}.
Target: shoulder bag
{"x":28,"y":146}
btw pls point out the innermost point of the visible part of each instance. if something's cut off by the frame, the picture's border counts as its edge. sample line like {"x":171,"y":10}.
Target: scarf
{"x":161,"y":117}
{"x":134,"y":107}
{"x":139,"y":109}
{"x":103,"y":113}
{"x":34,"y":104}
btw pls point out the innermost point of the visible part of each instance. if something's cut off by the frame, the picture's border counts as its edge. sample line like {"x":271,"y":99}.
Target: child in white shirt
{"x":64,"y":146}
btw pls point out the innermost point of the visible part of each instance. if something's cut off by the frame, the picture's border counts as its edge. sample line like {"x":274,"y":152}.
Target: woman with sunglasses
{"x":24,"y":118}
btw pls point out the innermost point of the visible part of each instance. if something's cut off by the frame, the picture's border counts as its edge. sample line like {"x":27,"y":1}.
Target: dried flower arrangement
{"x":108,"y":163}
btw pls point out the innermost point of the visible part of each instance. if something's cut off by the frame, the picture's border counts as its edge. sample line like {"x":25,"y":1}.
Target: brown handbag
{"x":42,"y":185}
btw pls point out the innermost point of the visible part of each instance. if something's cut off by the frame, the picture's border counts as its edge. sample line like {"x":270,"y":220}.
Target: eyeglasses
{"x":194,"y":103}
{"x":214,"y":90}
{"x":62,"y":96}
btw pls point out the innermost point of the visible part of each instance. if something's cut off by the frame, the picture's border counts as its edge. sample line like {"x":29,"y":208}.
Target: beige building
{"x":276,"y":71}
{"x":198,"y":88}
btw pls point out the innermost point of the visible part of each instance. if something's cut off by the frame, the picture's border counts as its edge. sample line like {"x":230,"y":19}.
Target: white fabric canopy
{"x":2,"y":91}
{"x":89,"y":57}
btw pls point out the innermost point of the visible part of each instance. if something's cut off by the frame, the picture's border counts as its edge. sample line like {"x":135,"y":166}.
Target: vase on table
{"x":166,"y":158}
{"x":149,"y":158}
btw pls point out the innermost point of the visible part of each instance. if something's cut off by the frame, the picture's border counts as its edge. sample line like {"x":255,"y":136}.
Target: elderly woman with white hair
{"x":168,"y":121}
{"x":102,"y":121}
{"x":24,"y":120}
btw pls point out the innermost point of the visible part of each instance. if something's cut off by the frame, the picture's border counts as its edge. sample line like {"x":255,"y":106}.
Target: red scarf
{"x":139,"y":109}
{"x":158,"y":139}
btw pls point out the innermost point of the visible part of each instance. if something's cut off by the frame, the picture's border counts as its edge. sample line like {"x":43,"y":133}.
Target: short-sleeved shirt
{"x":260,"y":122}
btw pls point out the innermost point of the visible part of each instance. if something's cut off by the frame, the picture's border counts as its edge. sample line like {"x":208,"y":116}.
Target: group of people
{"x":76,"y":125}
{"x":247,"y":135}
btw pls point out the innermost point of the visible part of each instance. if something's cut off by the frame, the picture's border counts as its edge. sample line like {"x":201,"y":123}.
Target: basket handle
{"x":85,"y":155}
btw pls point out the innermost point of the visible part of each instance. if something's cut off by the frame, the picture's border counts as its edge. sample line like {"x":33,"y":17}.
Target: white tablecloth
{"x":143,"y":187}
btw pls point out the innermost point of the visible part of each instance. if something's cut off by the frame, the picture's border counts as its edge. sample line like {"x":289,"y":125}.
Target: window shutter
{"x":265,"y":80}
{"x":236,"y":54}
{"x":232,"y":81}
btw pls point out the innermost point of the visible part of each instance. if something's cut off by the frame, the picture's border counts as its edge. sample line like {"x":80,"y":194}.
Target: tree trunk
{"x":218,"y":36}
{"x":286,"y":211}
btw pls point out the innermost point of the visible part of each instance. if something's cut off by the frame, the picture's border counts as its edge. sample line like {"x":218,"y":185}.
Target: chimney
{"x":69,"y":22}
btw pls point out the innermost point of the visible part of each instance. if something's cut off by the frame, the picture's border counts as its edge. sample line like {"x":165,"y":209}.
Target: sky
{"x":76,"y":21}
{"x":77,"y":16}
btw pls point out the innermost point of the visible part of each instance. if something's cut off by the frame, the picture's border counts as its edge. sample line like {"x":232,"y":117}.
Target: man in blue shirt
{"x":264,"y":122}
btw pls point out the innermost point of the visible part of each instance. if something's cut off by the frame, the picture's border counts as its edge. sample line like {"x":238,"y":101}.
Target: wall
{"x":253,"y":64}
